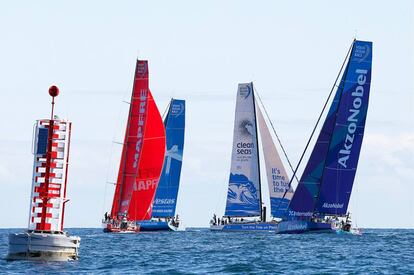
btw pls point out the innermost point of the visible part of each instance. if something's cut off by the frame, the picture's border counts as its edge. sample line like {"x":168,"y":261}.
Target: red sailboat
{"x":142,"y":159}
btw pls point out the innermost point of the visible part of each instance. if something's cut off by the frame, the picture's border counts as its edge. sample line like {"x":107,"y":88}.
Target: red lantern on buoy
{"x":53,"y":91}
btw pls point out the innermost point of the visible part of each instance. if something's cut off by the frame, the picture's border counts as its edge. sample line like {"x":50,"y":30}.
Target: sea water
{"x":201,"y":251}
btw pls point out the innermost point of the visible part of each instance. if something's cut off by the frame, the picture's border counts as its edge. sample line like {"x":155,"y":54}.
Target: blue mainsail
{"x":343,"y":155}
{"x":243,"y":196}
{"x":166,"y":196}
{"x":324,"y":185}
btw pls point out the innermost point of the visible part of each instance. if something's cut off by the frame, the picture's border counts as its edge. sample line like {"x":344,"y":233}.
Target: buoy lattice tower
{"x":50,"y":167}
{"x":45,"y":238}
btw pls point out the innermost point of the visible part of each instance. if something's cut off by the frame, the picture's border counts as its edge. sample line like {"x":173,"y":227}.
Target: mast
{"x":124,"y":151}
{"x":258,"y":157}
{"x":53,"y":92}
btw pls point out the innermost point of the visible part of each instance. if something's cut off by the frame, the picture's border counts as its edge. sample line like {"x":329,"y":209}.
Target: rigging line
{"x":320,"y":115}
{"x":111,"y":153}
{"x":277,"y":136}
{"x":219,"y":202}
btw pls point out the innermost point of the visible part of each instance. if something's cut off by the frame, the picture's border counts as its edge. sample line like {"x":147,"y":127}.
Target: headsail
{"x":166,"y":196}
{"x":243,"y":196}
{"x":321,"y":179}
{"x":150,"y":164}
{"x":277,"y":178}
{"x":142,"y":154}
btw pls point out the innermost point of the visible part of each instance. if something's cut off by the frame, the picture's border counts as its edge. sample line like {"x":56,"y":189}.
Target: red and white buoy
{"x":45,"y":238}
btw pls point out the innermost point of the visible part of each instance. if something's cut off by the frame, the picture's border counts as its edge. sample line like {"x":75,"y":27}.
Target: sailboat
{"x":163,"y":211}
{"x":320,"y":202}
{"x":244,"y":207}
{"x":141,"y":162}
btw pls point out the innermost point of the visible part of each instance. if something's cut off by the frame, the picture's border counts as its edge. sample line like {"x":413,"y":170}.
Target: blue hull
{"x":259,"y":226}
{"x":298,"y":227}
{"x":155,"y":226}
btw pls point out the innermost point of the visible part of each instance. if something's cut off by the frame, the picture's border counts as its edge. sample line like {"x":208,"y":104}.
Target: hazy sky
{"x":199,"y":51}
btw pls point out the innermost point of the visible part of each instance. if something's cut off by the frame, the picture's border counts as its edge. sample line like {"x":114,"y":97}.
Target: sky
{"x":199,"y":51}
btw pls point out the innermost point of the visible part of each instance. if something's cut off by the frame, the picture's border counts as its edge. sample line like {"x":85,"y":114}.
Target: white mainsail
{"x":243,"y":196}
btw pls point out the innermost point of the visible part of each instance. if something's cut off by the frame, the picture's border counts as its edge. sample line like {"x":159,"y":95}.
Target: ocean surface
{"x":201,"y":251}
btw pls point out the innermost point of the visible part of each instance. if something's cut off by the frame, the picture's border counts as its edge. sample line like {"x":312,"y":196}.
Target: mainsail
{"x":277,"y":178}
{"x":343,"y":155}
{"x":326,"y":183}
{"x":142,"y":153}
{"x":243,"y":196}
{"x":166,"y":196}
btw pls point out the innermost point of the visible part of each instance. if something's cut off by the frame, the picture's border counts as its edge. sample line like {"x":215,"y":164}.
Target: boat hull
{"x":299,"y":227}
{"x":130,"y":229}
{"x":43,"y":246}
{"x":156,"y":226}
{"x":245,"y":227}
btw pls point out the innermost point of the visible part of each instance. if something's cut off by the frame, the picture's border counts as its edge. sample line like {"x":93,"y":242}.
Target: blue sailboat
{"x":163,"y":210}
{"x":244,"y":207}
{"x":320,"y":202}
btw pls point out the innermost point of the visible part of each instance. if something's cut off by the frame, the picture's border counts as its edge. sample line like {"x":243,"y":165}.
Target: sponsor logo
{"x":142,"y":68}
{"x":141,"y":120}
{"x":362,"y":52}
{"x":300,"y":214}
{"x":164,"y":201}
{"x":244,"y":148}
{"x":293,"y":227}
{"x":353,"y":118}
{"x":177,"y":109}
{"x":145,"y":185}
{"x":333,"y":205}
{"x":244,"y":91}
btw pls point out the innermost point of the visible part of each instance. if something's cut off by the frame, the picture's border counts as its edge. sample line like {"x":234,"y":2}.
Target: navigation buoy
{"x":45,"y":238}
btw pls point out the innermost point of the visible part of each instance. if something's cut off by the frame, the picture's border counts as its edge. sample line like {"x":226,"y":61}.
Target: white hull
{"x":43,"y":246}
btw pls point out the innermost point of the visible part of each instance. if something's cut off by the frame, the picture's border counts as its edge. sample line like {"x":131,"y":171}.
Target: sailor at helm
{"x":124,"y":221}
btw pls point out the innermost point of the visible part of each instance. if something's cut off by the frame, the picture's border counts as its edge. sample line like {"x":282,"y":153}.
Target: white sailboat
{"x":244,"y":207}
